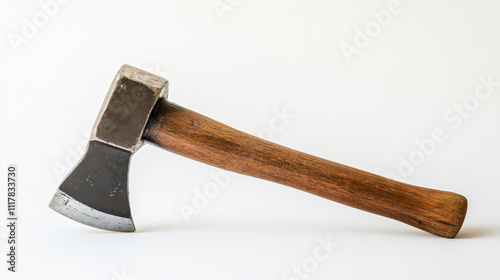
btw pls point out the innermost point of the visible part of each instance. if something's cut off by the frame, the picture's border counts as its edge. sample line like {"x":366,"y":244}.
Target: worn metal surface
{"x":71,"y":208}
{"x":127,"y":107}
{"x":95,"y":192}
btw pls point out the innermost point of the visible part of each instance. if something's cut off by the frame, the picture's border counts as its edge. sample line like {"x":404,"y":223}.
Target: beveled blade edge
{"x":71,"y":208}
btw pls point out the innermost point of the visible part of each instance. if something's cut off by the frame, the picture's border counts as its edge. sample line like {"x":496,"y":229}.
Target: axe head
{"x":95,"y":192}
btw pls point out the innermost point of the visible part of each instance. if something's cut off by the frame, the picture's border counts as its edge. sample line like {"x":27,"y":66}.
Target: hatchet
{"x":136,"y":110}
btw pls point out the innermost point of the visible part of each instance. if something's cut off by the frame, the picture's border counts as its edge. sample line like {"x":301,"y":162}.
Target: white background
{"x":239,"y":67}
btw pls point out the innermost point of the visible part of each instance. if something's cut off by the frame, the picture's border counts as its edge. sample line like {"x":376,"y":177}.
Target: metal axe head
{"x":95,"y":192}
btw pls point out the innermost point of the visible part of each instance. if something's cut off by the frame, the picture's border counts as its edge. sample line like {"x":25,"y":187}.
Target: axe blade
{"x":95,"y":192}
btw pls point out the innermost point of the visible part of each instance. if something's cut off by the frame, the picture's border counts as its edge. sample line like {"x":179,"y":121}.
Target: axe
{"x":136,"y":110}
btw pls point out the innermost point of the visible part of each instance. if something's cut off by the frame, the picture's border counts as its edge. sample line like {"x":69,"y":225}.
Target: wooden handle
{"x":190,"y":134}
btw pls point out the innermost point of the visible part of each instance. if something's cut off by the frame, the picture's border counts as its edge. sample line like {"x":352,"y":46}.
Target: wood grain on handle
{"x":190,"y":134}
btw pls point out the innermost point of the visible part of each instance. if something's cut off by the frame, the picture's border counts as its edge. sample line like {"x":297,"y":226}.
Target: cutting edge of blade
{"x":71,"y":208}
